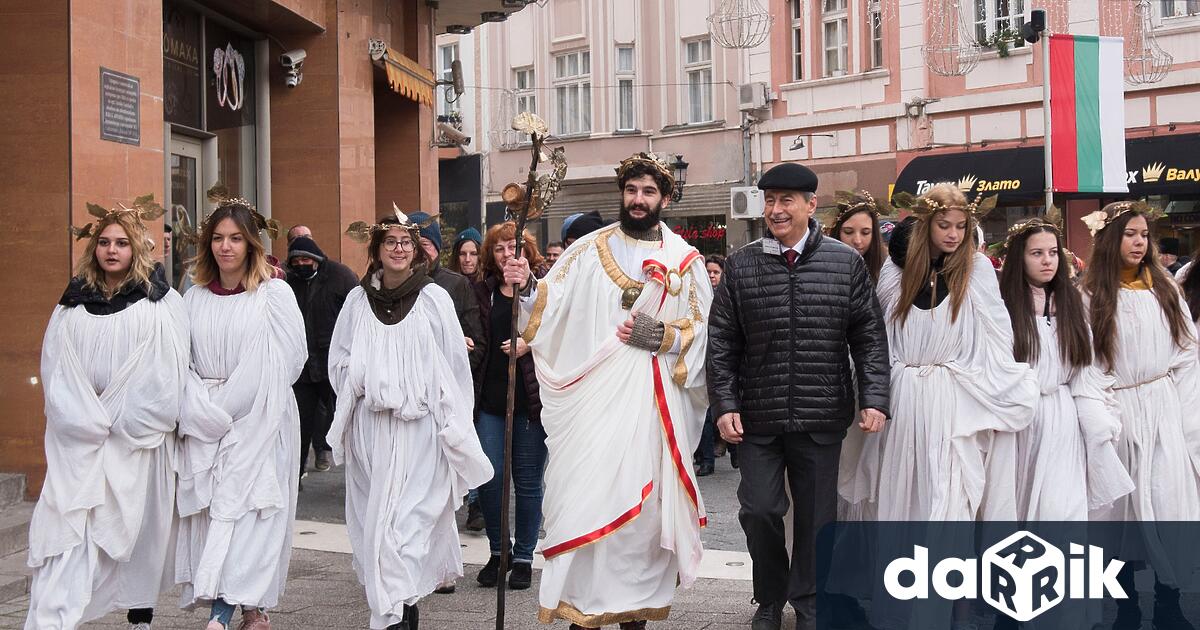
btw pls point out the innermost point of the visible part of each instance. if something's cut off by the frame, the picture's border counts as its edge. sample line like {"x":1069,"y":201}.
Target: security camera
{"x":453,"y":135}
{"x":293,"y":64}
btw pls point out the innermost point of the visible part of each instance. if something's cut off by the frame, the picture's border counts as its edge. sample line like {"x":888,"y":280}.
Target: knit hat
{"x":305,"y":246}
{"x":469,"y":234}
{"x":432,"y":231}
{"x":1168,"y":246}
{"x":562,"y":236}
{"x":586,"y":224}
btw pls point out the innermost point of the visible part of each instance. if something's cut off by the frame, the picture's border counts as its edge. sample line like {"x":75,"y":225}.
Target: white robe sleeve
{"x":455,"y":419}
{"x":1185,"y":372}
{"x":1100,"y":425}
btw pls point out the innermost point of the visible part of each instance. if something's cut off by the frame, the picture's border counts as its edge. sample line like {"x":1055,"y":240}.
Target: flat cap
{"x":789,"y":176}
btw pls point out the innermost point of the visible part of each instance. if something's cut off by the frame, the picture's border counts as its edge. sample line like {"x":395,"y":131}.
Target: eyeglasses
{"x":405,"y":245}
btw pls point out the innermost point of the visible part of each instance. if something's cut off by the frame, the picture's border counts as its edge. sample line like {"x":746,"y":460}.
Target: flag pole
{"x":1047,"y":149}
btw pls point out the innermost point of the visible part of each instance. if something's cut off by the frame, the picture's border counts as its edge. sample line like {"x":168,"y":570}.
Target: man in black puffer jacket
{"x":792,"y":311}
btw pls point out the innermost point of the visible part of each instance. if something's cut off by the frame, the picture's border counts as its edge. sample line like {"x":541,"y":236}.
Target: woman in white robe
{"x":240,"y":429}
{"x":1144,"y":335}
{"x":958,"y":397}
{"x":1067,"y":460}
{"x":403,"y":427}
{"x":114,"y":363}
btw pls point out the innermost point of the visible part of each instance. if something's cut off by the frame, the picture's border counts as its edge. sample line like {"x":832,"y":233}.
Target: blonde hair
{"x":140,"y":266}
{"x":258,"y":270}
{"x":918,"y":263}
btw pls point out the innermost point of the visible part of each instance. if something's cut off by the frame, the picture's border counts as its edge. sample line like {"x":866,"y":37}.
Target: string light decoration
{"x":1145,"y":60}
{"x":1057,"y":18}
{"x":740,"y":24}
{"x":951,"y":49}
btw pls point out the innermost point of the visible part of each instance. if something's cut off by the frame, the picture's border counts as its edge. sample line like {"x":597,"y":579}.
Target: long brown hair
{"x":874,"y":255}
{"x":506,"y":231}
{"x":1103,"y":285}
{"x":918,"y":263}
{"x":140,"y":266}
{"x":205,"y":268}
{"x":1073,"y":343}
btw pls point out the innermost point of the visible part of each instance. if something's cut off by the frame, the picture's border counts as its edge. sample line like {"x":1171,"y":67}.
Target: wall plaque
{"x":120,"y":107}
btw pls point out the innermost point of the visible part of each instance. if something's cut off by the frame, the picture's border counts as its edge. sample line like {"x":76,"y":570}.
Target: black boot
{"x":1129,"y":611}
{"x":769,"y":616}
{"x":490,"y":573}
{"x":1167,"y":615}
{"x":633,"y":625}
{"x":474,"y":517}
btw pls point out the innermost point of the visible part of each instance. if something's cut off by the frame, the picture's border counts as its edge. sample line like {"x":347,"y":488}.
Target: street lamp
{"x":680,"y":167}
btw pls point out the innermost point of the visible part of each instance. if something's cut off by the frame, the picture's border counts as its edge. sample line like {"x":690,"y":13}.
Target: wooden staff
{"x":506,"y":474}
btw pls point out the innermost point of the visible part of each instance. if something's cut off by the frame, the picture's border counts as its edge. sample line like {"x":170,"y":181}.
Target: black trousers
{"x":316,"y":402}
{"x":811,"y":469}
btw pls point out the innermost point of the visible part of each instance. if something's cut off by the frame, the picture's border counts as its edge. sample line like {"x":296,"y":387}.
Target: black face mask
{"x":304,"y":271}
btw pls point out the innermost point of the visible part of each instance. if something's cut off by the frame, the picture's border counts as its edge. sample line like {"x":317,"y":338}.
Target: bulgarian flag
{"x":1087,"y":114}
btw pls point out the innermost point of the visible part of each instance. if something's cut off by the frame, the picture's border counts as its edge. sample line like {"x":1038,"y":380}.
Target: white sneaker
{"x":140,"y":626}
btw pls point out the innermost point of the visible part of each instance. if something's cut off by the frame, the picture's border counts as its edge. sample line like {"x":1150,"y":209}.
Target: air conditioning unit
{"x":752,"y":96}
{"x":745,"y":202}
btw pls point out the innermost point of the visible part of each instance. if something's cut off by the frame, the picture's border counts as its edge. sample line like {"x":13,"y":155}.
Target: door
{"x":185,"y":208}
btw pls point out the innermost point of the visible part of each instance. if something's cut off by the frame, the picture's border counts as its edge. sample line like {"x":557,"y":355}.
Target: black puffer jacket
{"x":320,"y":299}
{"x":781,"y":339}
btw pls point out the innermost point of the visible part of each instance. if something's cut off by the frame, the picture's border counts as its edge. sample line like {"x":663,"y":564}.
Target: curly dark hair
{"x":665,"y":186}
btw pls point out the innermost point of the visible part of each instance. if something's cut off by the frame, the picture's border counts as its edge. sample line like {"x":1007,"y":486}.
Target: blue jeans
{"x":528,"y":463}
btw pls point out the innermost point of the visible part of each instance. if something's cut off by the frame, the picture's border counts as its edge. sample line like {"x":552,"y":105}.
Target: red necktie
{"x":791,"y":255}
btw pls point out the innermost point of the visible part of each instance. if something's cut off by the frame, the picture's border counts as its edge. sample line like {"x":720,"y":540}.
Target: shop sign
{"x":706,"y":232}
{"x":120,"y":108}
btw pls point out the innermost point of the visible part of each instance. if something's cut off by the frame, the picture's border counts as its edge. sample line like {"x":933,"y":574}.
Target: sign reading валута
{"x":120,"y":109}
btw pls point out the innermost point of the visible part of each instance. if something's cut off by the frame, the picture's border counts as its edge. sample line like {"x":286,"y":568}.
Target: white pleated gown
{"x":1158,"y":391}
{"x":239,"y":460}
{"x":102,"y":533}
{"x":1067,"y":460}
{"x":958,"y":399}
{"x":404,"y":429}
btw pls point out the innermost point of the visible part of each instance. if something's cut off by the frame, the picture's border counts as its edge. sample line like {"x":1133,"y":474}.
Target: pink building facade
{"x":612,"y":78}
{"x":854,"y":100}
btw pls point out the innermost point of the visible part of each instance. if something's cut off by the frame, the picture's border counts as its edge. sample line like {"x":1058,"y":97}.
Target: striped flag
{"x":1087,"y":114}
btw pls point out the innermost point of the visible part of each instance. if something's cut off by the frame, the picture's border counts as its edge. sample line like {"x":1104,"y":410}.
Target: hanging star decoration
{"x":924,"y":207}
{"x":145,"y":208}
{"x":361,"y":231}
{"x":1102,"y":218}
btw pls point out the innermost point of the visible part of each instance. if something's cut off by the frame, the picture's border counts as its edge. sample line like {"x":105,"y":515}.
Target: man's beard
{"x":631,"y":224}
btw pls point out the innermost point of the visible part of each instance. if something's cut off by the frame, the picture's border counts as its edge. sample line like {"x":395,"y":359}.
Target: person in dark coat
{"x":792,"y":310}
{"x":491,"y":393}
{"x":456,"y":284}
{"x":321,"y":286}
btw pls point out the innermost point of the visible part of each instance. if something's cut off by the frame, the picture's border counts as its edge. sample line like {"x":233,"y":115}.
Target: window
{"x":834,"y":22}
{"x":797,"y":40}
{"x":526,"y":97}
{"x":573,"y":92}
{"x":875,"y":24}
{"x":625,"y":116}
{"x":1003,"y":17}
{"x":1179,"y":8}
{"x":447,"y":55}
{"x":698,"y":67}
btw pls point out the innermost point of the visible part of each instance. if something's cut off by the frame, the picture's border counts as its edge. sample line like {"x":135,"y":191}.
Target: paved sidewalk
{"x":322,"y":592}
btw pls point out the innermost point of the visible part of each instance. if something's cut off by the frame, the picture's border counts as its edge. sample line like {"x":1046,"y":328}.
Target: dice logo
{"x":1023,"y":576}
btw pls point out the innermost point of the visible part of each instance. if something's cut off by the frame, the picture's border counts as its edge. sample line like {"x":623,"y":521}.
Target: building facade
{"x":856,"y":101}
{"x":612,"y":78}
{"x":107,"y":101}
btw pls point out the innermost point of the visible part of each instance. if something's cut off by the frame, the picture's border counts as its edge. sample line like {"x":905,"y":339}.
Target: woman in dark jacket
{"x":491,"y":388}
